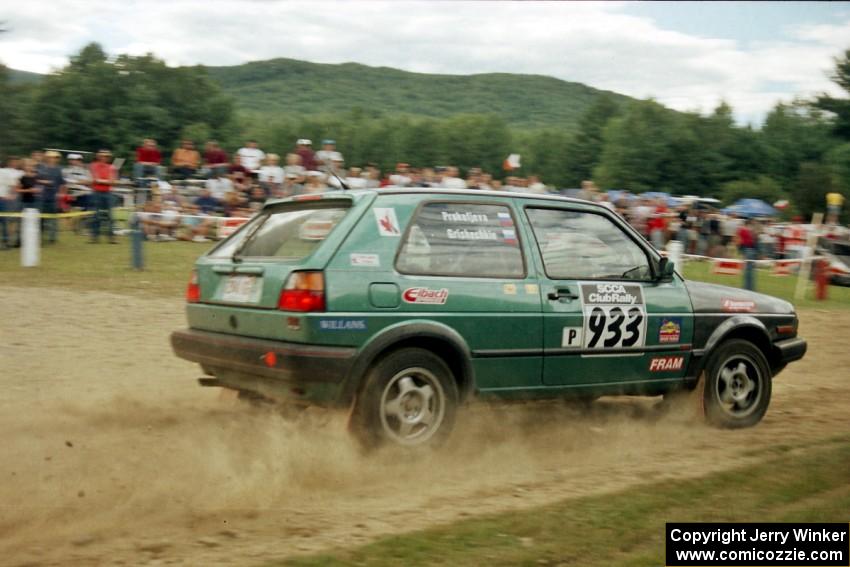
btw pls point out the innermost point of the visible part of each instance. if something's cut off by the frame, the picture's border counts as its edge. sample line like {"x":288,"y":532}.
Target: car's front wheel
{"x":737,"y":385}
{"x":409,"y":398}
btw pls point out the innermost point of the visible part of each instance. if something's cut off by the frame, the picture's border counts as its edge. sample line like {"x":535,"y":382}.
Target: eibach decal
{"x":425,"y":295}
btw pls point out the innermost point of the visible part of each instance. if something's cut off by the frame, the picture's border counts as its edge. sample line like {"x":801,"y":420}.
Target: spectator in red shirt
{"x":103,"y":178}
{"x":305,"y":151}
{"x":215,"y":159}
{"x":240,"y":176}
{"x":657,"y":225}
{"x":148,"y":162}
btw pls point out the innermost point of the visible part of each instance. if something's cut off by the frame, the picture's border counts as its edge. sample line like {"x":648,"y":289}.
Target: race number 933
{"x":617,"y":326}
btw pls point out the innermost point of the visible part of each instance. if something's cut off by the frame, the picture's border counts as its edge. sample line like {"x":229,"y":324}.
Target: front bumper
{"x":791,"y":349}
{"x":275,"y":369}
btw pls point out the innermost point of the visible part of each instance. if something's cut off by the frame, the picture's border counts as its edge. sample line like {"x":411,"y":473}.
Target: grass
{"x":778,"y":286}
{"x":75,"y":264}
{"x":626,"y":528}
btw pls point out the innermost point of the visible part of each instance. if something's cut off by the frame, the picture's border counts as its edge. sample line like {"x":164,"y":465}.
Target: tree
{"x":763,"y":187}
{"x":840,"y":107}
{"x":636,"y":148}
{"x":793,"y":133}
{"x":809,"y":190}
{"x":15,"y":131}
{"x":97,"y":102}
{"x":584,"y":151}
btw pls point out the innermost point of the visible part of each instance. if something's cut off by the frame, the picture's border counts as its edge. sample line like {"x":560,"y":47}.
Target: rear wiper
{"x":236,"y":258}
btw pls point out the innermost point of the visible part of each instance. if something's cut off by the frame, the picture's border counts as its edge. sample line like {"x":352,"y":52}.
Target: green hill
{"x":287,"y":86}
{"x":17,"y":77}
{"x":282,"y":86}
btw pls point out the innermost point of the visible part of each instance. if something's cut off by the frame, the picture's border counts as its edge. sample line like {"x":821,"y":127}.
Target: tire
{"x":737,"y":385}
{"x":409,"y":399}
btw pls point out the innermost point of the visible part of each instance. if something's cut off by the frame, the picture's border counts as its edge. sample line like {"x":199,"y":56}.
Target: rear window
{"x":291,"y":233}
{"x":462,"y":239}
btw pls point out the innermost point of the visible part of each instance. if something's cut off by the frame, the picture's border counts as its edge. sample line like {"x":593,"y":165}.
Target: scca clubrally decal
{"x":614,"y":315}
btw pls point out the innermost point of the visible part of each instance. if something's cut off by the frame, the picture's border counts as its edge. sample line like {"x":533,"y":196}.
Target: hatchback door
{"x":241,"y":279}
{"x":606,"y":320}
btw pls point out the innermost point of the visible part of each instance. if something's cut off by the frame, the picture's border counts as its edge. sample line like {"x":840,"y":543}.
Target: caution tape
{"x":71,"y":215}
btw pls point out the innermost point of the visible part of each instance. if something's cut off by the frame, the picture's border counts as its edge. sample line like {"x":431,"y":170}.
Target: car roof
{"x":397,"y":190}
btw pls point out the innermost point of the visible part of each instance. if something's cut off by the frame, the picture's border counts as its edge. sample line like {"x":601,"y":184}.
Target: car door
{"x":607,"y":321}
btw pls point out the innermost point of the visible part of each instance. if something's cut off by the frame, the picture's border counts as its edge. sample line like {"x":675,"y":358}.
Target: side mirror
{"x":665,"y":269}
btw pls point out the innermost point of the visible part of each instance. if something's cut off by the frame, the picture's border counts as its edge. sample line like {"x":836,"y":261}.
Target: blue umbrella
{"x":669,"y":200}
{"x":751,"y":208}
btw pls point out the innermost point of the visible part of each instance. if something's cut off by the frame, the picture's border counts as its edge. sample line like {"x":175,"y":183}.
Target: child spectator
{"x":294,"y":167}
{"x":271,"y":175}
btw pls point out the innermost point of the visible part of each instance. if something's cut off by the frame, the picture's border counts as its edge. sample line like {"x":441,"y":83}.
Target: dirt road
{"x":112,"y":455}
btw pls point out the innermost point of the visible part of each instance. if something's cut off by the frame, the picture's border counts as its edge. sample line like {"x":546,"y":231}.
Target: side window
{"x":462,"y":239}
{"x":580,"y":245}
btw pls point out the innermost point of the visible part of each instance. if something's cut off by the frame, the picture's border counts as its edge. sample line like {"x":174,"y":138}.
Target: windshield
{"x":291,"y":233}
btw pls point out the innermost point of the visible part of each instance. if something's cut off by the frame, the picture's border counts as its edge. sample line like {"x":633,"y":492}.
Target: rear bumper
{"x":274,"y":369}
{"x":791,"y":349}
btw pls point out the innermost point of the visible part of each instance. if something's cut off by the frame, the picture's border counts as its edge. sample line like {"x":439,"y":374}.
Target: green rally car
{"x":402,"y":304}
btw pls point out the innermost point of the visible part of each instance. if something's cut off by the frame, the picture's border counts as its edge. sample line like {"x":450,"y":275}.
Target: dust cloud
{"x":112,"y":453}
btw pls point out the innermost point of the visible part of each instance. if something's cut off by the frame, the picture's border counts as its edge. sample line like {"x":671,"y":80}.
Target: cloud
{"x":594,"y":43}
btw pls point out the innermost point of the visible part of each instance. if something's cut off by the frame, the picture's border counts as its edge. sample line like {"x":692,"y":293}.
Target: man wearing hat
{"x":328,"y":158}
{"x":304,"y":150}
{"x":78,"y":179}
{"x":49,"y":179}
{"x":103,"y":178}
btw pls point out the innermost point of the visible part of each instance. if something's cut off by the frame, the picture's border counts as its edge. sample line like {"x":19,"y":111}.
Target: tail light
{"x":193,"y":290}
{"x":303,"y":291}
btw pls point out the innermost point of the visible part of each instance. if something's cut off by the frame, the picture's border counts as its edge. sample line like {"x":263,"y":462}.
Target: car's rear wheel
{"x":737,"y":385}
{"x":409,"y":399}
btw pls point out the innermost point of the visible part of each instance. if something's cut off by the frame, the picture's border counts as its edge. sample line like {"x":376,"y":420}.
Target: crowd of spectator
{"x":180,"y":201}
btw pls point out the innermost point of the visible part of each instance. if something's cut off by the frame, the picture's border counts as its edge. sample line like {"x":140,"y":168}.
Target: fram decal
{"x":371,"y":260}
{"x":425,"y":295}
{"x":387,"y":221}
{"x":666,"y":363}
{"x":670,"y":330}
{"x":531,"y":288}
{"x":730,"y":305}
{"x":509,"y":289}
{"x":342,"y":324}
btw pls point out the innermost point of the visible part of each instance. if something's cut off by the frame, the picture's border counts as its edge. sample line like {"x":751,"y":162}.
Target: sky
{"x":686,"y":55}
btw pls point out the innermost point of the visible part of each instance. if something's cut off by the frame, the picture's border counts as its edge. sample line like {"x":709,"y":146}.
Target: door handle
{"x":561,"y":294}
